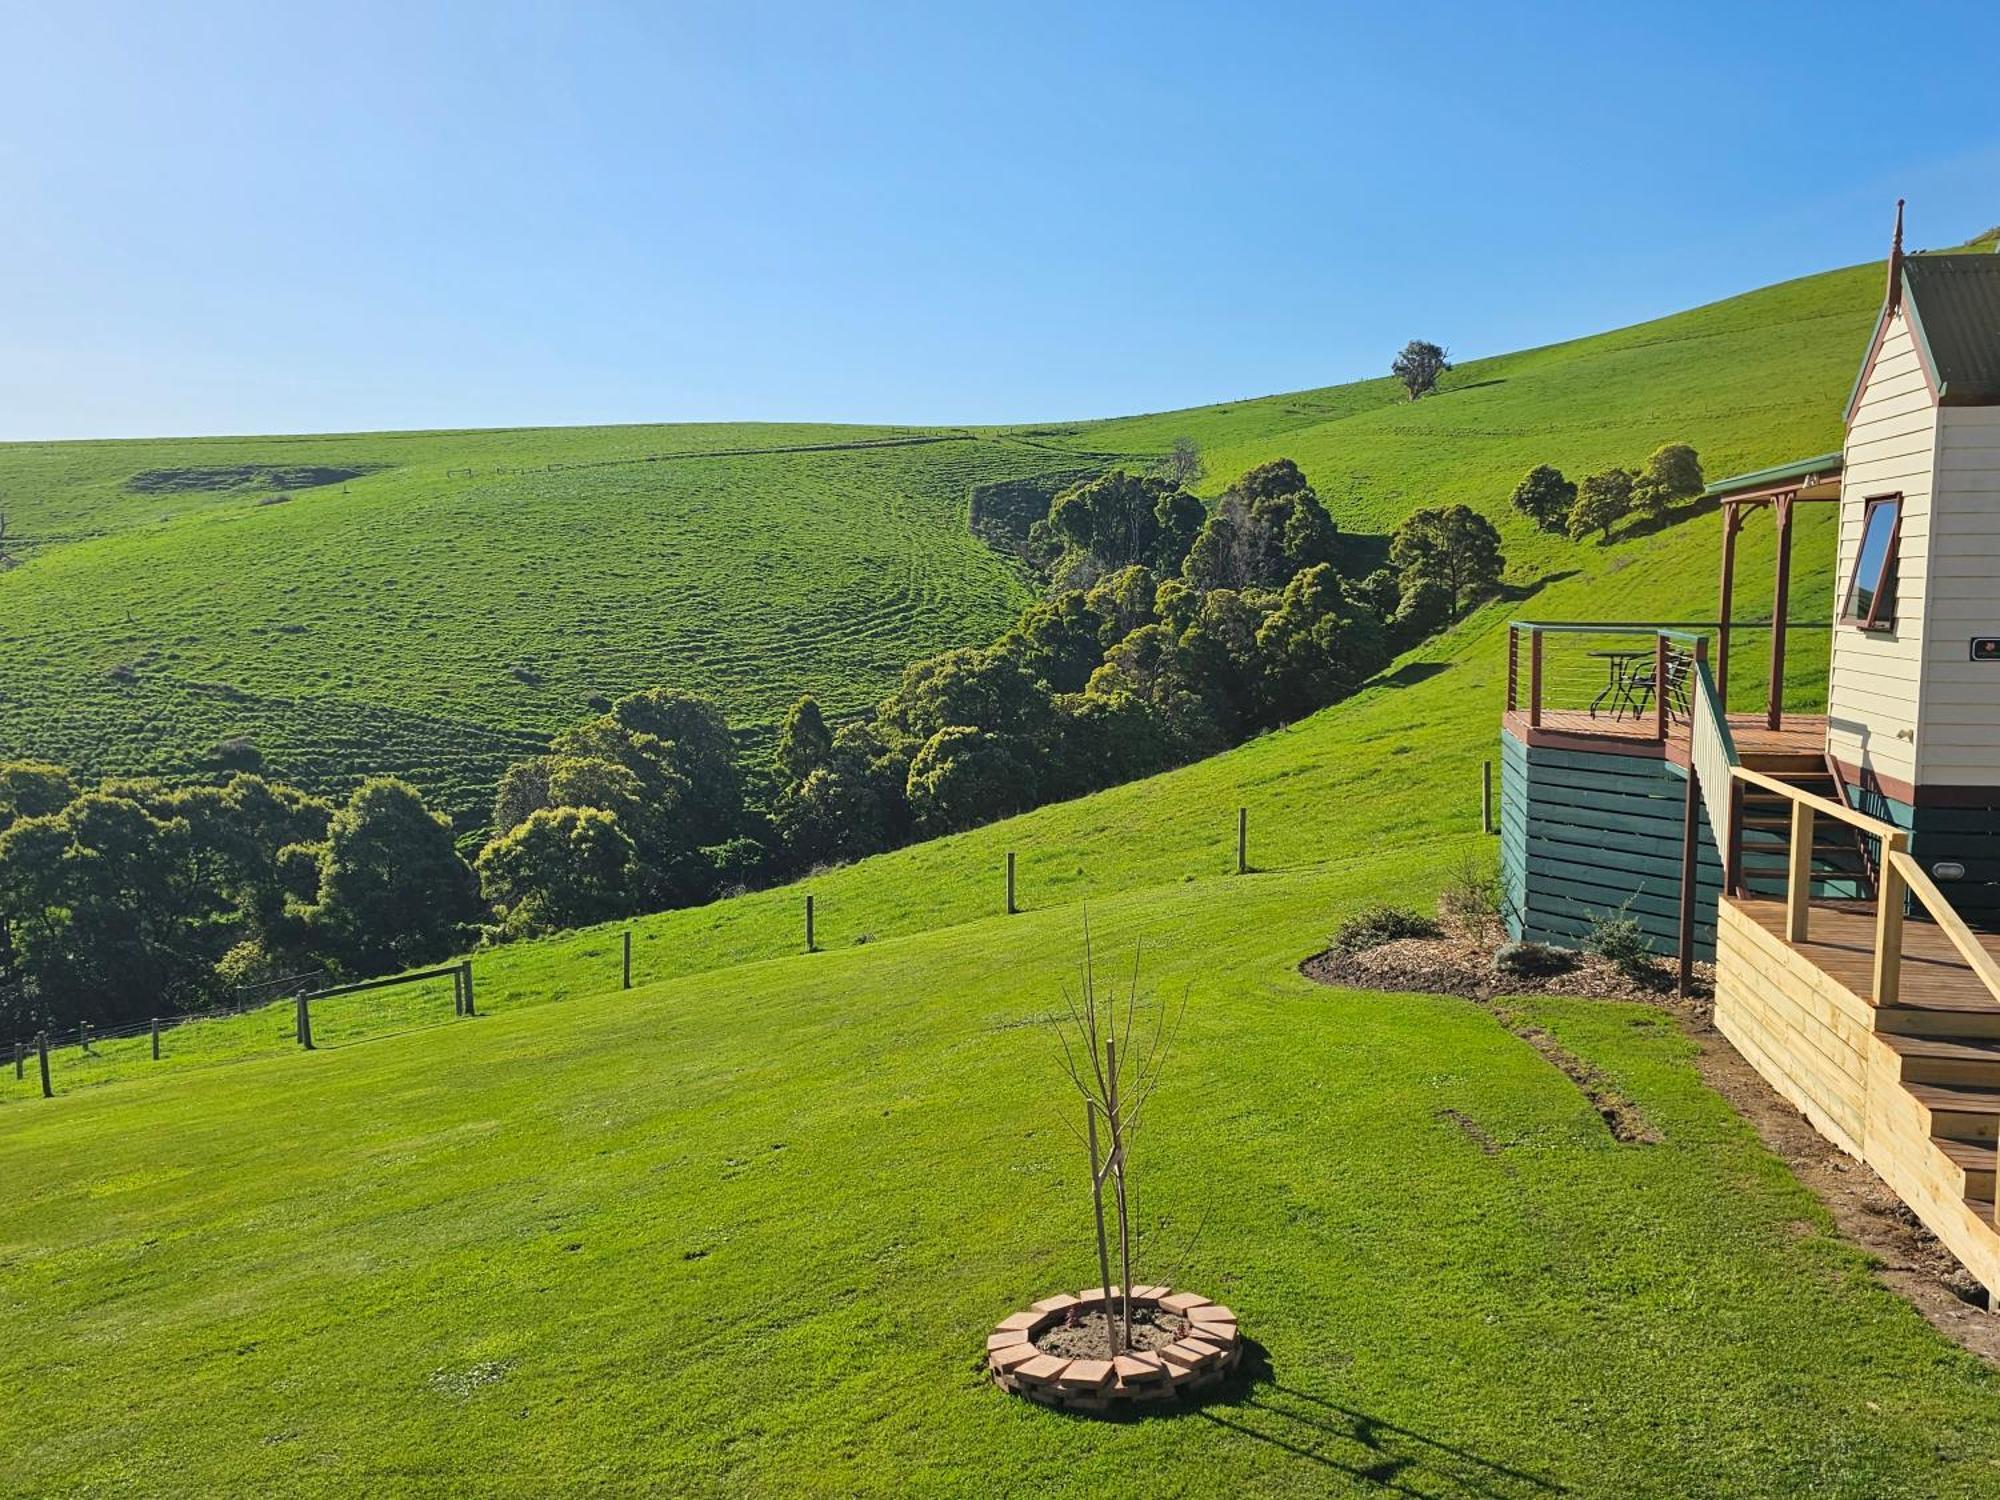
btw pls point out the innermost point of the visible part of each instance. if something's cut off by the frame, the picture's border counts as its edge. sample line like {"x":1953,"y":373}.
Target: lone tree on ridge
{"x":1419,"y":366}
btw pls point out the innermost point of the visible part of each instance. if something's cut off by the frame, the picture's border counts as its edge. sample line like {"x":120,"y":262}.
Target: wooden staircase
{"x":1950,"y":1059}
{"x":1843,"y":867}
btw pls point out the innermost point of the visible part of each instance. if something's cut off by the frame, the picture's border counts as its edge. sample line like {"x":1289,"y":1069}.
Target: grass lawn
{"x":745,"y":1232}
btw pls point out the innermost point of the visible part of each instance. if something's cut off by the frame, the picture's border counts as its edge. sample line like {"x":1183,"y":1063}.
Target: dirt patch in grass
{"x":1866,"y":1212}
{"x":1087,"y":1338}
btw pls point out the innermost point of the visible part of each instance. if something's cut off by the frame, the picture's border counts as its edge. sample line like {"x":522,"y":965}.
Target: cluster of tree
{"x":1171,"y":631}
{"x":135,"y":897}
{"x":1195,"y":629}
{"x":1597,"y":504}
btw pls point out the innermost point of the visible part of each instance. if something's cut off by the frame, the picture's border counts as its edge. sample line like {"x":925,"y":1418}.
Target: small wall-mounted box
{"x":1986,"y":648}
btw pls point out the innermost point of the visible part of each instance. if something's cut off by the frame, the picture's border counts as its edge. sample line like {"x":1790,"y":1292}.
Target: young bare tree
{"x":1115,"y":1080}
{"x":1183,"y":465}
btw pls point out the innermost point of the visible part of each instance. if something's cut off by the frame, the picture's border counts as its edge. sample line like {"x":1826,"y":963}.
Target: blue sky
{"x":298,"y":218}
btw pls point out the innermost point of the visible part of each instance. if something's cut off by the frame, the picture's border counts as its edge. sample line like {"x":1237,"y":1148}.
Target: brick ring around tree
{"x":1205,"y":1348}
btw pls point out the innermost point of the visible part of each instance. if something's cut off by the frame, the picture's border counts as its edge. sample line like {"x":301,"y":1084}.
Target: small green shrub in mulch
{"x":1375,"y":925}
{"x":1617,"y":938}
{"x":1532,"y":960}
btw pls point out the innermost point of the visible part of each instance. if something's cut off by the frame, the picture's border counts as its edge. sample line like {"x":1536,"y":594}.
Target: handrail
{"x":1806,"y":807}
{"x":1949,"y":922}
{"x":1672,"y":627}
{"x":1875,"y":827}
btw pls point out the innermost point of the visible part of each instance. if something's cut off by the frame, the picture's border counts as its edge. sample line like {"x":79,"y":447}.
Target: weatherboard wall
{"x":1891,"y":449}
{"x":1585,"y":835}
{"x":1958,"y":733}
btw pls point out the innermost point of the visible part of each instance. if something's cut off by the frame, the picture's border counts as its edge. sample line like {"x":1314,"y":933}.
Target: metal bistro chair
{"x":1639,"y":687}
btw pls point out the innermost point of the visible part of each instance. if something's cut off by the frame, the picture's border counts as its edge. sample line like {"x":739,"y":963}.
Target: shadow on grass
{"x":1516,"y":593}
{"x":1343,"y":1439}
{"x":1364,"y":1447}
{"x":1409,"y":674}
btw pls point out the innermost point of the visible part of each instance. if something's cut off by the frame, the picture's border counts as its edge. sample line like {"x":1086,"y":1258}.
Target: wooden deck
{"x":1841,"y":945}
{"x":1800,"y":743}
{"x":1912,"y":1088}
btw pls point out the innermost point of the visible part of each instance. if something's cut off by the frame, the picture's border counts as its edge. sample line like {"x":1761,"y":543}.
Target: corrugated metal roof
{"x":1762,"y":479}
{"x":1954,"y":305}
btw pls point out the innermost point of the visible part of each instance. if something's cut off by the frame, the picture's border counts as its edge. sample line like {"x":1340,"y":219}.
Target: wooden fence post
{"x":1486,"y":796}
{"x":20,"y":1060}
{"x":42,"y":1052}
{"x":303,"y":1023}
{"x":628,"y":958}
{"x":1011,"y":907}
{"x":811,"y":946}
{"x":156,"y":1039}
{"x":83,"y":1038}
{"x":1242,"y":841}
{"x":458,"y":992}
{"x":465,"y":980}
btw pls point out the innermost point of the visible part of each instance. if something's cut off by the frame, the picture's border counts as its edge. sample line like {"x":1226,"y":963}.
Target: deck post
{"x":1690,"y":852}
{"x":1798,"y":874}
{"x":1534,"y":678}
{"x":1889,"y":891}
{"x":1781,"y":600}
{"x":1660,"y":687}
{"x":1732,"y":522}
{"x":1732,"y":849}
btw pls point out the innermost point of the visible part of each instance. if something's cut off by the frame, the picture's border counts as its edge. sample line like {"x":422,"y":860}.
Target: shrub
{"x":1532,"y":960}
{"x":1472,"y":897}
{"x":1618,"y":938}
{"x":1375,"y":925}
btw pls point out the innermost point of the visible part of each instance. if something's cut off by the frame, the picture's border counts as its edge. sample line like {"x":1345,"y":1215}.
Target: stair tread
{"x":1966,"y":1098}
{"x":1972,"y":1155}
{"x":1962,"y":1049}
{"x":1959,"y":1004}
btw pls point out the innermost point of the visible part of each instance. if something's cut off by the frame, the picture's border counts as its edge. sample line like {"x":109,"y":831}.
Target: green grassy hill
{"x":742,"y":1229}
{"x":462,"y":595}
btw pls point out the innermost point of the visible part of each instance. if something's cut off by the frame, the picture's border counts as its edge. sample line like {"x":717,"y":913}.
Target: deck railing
{"x":1616,"y":678}
{"x":1901,"y":879}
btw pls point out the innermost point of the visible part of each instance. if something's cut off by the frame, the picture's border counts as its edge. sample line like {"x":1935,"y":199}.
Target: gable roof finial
{"x":1895,"y":292}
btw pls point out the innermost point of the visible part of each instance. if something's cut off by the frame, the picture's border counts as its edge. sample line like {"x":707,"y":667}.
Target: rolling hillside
{"x":458,"y":596}
{"x":740,"y":1230}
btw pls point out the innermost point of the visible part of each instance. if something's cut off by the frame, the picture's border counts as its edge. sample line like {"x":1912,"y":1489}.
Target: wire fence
{"x":304,"y":1012}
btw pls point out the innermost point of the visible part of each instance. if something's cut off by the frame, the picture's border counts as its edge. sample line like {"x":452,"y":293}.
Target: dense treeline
{"x":1169,"y":630}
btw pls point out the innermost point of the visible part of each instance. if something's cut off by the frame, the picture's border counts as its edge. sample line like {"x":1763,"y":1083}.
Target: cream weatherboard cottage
{"x":1843,"y":869}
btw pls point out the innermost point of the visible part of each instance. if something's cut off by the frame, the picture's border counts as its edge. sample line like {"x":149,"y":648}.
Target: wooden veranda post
{"x":1774,"y":715}
{"x":1732,"y":522}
